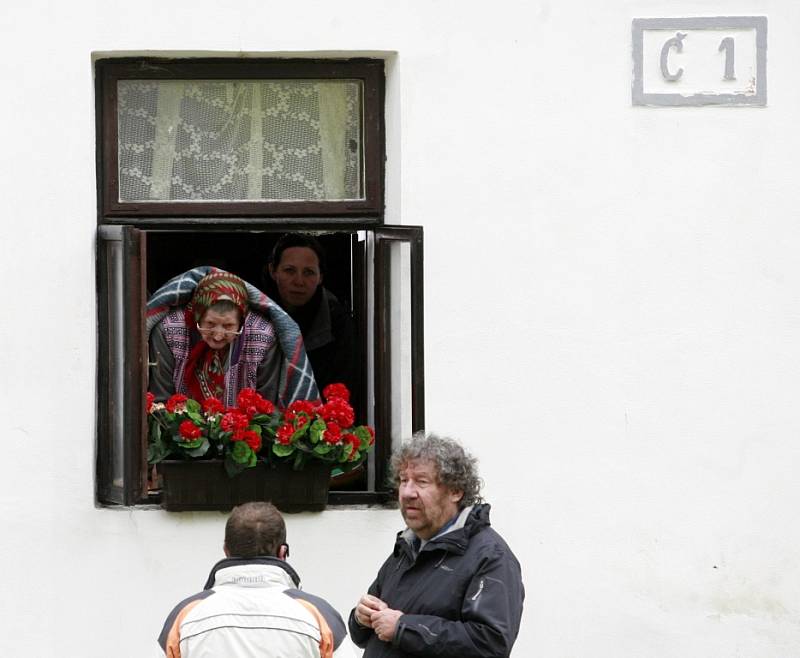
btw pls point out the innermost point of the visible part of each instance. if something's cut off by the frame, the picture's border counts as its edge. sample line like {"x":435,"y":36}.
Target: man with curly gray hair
{"x":452,"y":586}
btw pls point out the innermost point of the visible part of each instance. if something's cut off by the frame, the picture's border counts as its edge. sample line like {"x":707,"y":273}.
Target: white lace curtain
{"x":220,"y":140}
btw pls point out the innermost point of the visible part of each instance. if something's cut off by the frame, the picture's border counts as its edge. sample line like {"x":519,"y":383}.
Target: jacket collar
{"x":254,"y":571}
{"x":469,"y":522}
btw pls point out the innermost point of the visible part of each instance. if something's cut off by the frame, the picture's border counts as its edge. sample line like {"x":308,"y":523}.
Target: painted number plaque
{"x":700,"y":61}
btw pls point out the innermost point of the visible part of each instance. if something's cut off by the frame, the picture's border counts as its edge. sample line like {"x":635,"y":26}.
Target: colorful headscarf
{"x":215,"y":287}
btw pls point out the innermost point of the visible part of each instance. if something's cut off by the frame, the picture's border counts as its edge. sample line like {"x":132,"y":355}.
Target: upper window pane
{"x":240,"y":140}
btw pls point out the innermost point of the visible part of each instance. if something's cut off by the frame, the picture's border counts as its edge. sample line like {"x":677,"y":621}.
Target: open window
{"x":209,"y":162}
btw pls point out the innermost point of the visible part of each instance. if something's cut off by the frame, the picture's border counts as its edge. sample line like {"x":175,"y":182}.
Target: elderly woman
{"x":211,"y":334}
{"x":297,"y":268}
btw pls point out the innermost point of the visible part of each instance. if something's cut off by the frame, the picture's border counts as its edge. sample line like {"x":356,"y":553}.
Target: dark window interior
{"x":245,"y":253}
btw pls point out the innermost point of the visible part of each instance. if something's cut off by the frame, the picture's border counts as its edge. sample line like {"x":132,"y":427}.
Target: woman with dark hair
{"x":297,"y":267}
{"x":211,"y":334}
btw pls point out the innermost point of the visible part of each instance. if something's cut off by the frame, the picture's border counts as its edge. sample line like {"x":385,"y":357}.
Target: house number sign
{"x":700,"y":61}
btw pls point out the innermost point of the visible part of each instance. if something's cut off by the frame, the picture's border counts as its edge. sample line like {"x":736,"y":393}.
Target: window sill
{"x":337,"y":500}
{"x":362,"y":499}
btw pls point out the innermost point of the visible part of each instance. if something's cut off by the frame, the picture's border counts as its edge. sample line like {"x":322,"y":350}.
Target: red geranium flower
{"x":246,"y":397}
{"x":189,"y":431}
{"x":338,"y":411}
{"x":246,"y":401}
{"x":213,"y":406}
{"x":176,"y":403}
{"x":265,"y":406}
{"x":332,"y":433}
{"x":251,"y":402}
{"x":252,"y":439}
{"x":150,"y":399}
{"x":234,"y":421}
{"x":338,"y":391}
{"x":301,"y":406}
{"x":284,"y":434}
{"x":353,"y":440}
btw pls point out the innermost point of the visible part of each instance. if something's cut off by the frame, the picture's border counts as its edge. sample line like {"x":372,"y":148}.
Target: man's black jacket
{"x":461,"y":596}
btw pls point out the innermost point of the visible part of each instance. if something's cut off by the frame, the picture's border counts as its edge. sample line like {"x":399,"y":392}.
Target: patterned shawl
{"x":296,"y":379}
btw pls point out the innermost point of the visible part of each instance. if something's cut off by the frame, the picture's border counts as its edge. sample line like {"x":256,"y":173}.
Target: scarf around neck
{"x":205,"y":369}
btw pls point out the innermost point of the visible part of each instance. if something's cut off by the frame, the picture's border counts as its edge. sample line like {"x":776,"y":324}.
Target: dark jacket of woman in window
{"x":328,"y":336}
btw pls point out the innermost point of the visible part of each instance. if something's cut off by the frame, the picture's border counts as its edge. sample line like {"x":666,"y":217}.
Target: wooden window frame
{"x":370,"y":71}
{"x":121,"y":268}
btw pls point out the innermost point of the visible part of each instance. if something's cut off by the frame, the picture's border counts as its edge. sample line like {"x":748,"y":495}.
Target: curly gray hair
{"x":455,"y":467}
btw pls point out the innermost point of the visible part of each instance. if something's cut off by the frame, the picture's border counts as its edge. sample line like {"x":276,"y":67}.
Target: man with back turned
{"x":251,"y":604}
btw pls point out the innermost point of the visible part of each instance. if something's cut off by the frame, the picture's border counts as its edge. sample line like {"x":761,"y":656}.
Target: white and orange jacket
{"x":253,"y":607}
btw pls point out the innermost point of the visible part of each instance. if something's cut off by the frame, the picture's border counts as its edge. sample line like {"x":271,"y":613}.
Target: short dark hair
{"x":456,"y":469}
{"x":289,"y":240}
{"x":255,"y":529}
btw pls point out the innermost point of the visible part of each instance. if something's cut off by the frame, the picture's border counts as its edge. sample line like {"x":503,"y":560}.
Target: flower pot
{"x":205,"y":485}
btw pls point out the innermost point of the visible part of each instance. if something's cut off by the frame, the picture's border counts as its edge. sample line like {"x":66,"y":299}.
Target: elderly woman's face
{"x":219,"y":329}
{"x":297,"y":276}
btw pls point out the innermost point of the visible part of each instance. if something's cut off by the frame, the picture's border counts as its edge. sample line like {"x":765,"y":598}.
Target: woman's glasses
{"x":215,"y":331}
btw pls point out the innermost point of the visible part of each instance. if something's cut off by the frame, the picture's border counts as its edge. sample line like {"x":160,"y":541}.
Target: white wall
{"x":612,"y":323}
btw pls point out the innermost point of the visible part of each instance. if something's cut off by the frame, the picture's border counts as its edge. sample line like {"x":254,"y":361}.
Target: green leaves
{"x":196,"y":418}
{"x":241,"y":453}
{"x":189,"y":446}
{"x":281,"y":450}
{"x":200,"y":450}
{"x":158,"y":449}
{"x":317,"y":428}
{"x":240,"y":457}
{"x":364,"y":436}
{"x":300,"y":432}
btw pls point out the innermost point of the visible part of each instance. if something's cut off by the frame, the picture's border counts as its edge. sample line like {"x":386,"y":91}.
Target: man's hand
{"x":384,"y":623}
{"x":367,"y":606}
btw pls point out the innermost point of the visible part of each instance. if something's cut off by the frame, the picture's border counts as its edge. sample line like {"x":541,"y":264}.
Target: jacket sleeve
{"x":359,"y":634}
{"x":169,"y":639}
{"x":330,"y":621}
{"x":490,"y":616}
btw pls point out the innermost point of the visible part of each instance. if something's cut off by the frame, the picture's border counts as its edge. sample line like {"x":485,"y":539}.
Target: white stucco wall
{"x":611,"y":323}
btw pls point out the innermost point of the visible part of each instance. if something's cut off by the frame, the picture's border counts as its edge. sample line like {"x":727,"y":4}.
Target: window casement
{"x":241,"y":138}
{"x":214,"y":159}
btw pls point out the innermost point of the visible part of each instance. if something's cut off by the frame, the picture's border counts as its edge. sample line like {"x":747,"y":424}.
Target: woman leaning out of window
{"x":212,"y":334}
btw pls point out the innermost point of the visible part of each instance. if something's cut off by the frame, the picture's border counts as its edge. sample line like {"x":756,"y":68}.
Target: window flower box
{"x":205,"y":485}
{"x":254,"y":451}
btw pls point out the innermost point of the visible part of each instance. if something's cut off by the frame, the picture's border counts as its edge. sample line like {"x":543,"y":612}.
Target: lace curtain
{"x":222,"y":140}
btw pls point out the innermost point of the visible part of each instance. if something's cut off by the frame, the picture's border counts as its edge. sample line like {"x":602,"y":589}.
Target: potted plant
{"x":213,"y":457}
